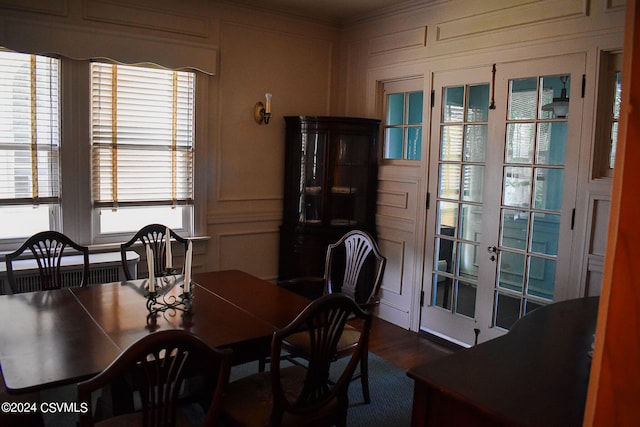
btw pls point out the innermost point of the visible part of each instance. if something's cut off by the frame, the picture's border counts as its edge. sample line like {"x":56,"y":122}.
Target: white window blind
{"x":142,"y":136}
{"x":29,"y":129}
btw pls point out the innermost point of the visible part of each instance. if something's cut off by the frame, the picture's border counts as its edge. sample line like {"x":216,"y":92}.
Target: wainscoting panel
{"x":245,"y":243}
{"x":394,"y":250}
{"x":397,"y":284}
{"x":520,"y":15}
{"x":416,"y":37}
{"x":396,"y":198}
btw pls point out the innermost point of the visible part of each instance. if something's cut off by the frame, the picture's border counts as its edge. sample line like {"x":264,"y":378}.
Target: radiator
{"x":103,"y":268}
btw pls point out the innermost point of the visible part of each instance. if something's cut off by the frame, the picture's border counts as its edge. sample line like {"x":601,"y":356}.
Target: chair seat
{"x":299,"y":343}
{"x":248,"y":401}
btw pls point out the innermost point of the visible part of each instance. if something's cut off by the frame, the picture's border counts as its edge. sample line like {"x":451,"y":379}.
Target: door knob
{"x":492,"y":250}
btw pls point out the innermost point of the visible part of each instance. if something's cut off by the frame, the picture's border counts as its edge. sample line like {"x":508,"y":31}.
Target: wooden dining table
{"x":57,"y":337}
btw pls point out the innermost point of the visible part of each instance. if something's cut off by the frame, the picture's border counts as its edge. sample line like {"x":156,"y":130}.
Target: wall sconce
{"x":262,"y":112}
{"x":559,"y":106}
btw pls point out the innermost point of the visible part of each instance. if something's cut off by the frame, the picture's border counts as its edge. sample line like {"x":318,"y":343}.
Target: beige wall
{"x":239,"y":166}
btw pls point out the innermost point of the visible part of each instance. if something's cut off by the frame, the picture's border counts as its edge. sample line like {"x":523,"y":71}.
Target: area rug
{"x":390,"y":389}
{"x":391,"y":397}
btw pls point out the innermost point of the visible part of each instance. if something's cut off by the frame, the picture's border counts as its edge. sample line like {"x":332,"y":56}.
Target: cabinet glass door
{"x":311,"y":206}
{"x":349,"y":180}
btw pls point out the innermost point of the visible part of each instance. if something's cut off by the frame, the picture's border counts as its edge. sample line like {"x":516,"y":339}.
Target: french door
{"x":503,"y":174}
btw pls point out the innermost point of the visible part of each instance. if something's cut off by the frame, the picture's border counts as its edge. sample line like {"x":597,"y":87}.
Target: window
{"x":403,"y":120}
{"x":142,"y":134}
{"x":608,"y":114}
{"x":615,"y":117}
{"x":29,"y":144}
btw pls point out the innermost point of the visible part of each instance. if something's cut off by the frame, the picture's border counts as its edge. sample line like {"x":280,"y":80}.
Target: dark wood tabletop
{"x":272,"y":304}
{"x":535,"y":375}
{"x":59,"y":337}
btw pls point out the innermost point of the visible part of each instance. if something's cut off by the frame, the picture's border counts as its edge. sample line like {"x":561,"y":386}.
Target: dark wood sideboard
{"x":535,"y":375}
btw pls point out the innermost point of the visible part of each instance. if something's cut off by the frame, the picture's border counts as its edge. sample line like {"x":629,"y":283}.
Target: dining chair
{"x":154,"y":370}
{"x":354,"y":266}
{"x":153,"y":236}
{"x":48,"y":249}
{"x":296,"y":395}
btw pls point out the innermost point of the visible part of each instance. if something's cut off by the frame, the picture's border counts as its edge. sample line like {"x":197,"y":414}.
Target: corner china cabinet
{"x":330,"y":187}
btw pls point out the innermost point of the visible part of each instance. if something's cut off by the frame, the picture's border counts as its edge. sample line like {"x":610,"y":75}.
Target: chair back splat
{"x":48,"y":249}
{"x":155,"y":367}
{"x":355,"y":266}
{"x":153,"y":236}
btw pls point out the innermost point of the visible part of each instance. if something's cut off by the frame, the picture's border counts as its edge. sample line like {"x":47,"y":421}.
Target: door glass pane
{"x":475,"y":143}
{"x":414,"y":143}
{"x":552,"y":143}
{"x":511,"y":273}
{"x":478,"y":103}
{"x":395,"y":109}
{"x":520,"y":137}
{"x":451,"y":143}
{"x":471,"y":222}
{"x":466,"y":299}
{"x":447,"y":216}
{"x":507,"y":311}
{"x":415,"y":108}
{"x":452,"y":104}
{"x":393,"y":143}
{"x":472,"y":182}
{"x":545,"y":233}
{"x":449,"y":184}
{"x":548,"y":188}
{"x":515,"y":225}
{"x":542,"y":274}
{"x":467,"y":260}
{"x":554,"y":96}
{"x":441,"y":296}
{"x":522,"y":98}
{"x":530,"y":305}
{"x":517,"y":186}
{"x":444,"y":255}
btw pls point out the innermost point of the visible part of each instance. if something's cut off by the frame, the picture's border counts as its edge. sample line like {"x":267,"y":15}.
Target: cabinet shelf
{"x":344,"y":190}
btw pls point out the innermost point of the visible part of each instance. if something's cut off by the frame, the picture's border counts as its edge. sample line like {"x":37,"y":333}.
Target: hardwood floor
{"x":402,"y":347}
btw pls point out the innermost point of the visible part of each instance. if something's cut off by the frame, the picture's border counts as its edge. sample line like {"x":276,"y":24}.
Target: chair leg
{"x":364,"y":376}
